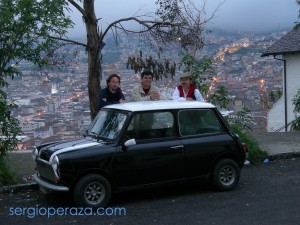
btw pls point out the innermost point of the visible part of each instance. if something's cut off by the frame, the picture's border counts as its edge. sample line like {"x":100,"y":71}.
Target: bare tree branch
{"x":149,"y":24}
{"x":70,"y":41}
{"x":81,"y":10}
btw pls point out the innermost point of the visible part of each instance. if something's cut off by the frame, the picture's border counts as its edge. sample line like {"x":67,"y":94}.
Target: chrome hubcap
{"x":227,"y":175}
{"x":94,"y":193}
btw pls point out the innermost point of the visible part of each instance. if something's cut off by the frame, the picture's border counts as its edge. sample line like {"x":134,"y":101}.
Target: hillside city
{"x":53,"y":104}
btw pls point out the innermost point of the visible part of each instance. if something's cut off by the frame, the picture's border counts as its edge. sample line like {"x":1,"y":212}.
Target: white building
{"x":286,"y":49}
{"x":54,"y":89}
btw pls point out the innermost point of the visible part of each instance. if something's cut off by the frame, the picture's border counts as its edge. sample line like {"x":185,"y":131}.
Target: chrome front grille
{"x":45,"y":170}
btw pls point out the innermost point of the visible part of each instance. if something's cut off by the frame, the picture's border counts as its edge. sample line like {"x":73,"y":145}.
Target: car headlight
{"x":35,"y":153}
{"x":55,"y":165}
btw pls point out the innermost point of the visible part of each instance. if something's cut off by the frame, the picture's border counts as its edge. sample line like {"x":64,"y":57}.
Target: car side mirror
{"x":128,"y":143}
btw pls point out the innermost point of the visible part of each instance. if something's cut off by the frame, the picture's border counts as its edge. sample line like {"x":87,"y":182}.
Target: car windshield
{"x":108,"y":124}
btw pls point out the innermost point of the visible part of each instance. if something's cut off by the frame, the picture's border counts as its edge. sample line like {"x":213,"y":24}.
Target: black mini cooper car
{"x":142,"y":143}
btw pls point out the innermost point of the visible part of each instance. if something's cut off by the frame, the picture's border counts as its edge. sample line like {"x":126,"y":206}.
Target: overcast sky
{"x":243,"y":15}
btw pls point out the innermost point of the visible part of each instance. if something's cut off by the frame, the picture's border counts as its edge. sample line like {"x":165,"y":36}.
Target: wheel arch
{"x":224,"y":156}
{"x":92,"y":171}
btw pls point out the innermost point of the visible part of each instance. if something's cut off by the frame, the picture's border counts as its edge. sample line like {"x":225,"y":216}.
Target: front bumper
{"x":47,"y":185}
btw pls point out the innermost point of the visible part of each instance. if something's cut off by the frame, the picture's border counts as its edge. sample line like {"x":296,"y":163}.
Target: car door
{"x":157,"y":155}
{"x":203,"y":139}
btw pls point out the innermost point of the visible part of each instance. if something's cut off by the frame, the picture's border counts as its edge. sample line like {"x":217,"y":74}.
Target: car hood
{"x":47,"y":152}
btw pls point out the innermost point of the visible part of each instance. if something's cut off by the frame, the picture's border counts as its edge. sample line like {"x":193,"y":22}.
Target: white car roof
{"x":159,"y":105}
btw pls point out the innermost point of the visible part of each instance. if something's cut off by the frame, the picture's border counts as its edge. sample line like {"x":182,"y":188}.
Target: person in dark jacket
{"x":112,"y":94}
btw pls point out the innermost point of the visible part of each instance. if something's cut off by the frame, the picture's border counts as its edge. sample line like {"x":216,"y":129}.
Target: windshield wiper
{"x":94,"y":134}
{"x":98,"y":137}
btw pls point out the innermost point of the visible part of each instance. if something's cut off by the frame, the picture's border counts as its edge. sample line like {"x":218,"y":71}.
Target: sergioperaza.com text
{"x":32,"y":212}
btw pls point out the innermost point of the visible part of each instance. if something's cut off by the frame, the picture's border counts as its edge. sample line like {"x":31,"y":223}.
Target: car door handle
{"x":177,"y":147}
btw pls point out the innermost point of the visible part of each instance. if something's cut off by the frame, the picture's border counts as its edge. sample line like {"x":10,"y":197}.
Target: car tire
{"x":92,"y":191}
{"x":225,"y":175}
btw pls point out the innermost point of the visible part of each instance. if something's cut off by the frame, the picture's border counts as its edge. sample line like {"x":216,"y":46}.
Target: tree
{"x":189,"y":39}
{"x":297,"y":24}
{"x":159,"y":68}
{"x":44,"y":24}
{"x":95,"y":41}
{"x":9,"y":125}
{"x":220,"y":97}
{"x":8,"y":136}
{"x":26,"y":32}
{"x":295,"y":125}
{"x":241,"y":125}
{"x":202,"y":71}
{"x":273,"y":96}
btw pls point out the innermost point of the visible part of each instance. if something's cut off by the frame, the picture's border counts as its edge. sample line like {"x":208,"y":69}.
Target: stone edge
{"x":18,"y":188}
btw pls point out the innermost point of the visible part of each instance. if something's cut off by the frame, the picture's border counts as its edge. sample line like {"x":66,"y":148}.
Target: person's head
{"x":146,"y":78}
{"x":113,"y":82}
{"x":186,"y":79}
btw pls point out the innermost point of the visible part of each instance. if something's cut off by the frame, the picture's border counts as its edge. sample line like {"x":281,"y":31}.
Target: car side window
{"x":150,"y":125}
{"x":198,"y":121}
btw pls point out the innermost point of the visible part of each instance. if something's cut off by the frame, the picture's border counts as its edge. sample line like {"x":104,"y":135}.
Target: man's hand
{"x":154,"y":96}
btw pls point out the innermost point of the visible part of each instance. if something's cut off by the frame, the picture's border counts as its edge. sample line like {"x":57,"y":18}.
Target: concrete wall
{"x":22,"y":165}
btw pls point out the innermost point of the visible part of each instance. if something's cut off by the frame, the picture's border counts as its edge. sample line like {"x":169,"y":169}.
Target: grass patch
{"x":6,"y":175}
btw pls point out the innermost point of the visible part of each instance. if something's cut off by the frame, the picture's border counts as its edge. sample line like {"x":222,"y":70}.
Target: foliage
{"x":273,"y":96}
{"x":297,"y":24}
{"x":296,"y":102}
{"x":26,"y":32}
{"x":243,"y":120}
{"x":201,"y":69}
{"x":189,"y":38}
{"x":220,"y":97}
{"x":255,"y":152}
{"x":192,"y":17}
{"x":157,"y":28}
{"x":279,"y":93}
{"x":6,"y":176}
{"x":241,"y":125}
{"x":295,"y":125}
{"x":160,"y":68}
{"x":9,"y":126}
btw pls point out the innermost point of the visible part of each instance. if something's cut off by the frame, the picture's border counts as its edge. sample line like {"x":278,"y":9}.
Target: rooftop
{"x":158,"y":105}
{"x":289,"y":43}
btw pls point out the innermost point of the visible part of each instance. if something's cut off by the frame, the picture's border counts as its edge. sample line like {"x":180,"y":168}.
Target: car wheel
{"x":92,"y":191}
{"x":225,"y":175}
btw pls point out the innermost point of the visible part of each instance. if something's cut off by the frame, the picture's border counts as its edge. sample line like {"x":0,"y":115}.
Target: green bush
{"x":241,"y":125}
{"x":6,"y":175}
{"x":9,"y":130}
{"x":255,"y":152}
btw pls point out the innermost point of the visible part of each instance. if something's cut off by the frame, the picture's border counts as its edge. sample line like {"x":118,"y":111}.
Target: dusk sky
{"x":243,"y":15}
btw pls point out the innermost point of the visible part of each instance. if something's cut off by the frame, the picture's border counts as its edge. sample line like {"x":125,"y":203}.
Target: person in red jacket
{"x":186,"y":90}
